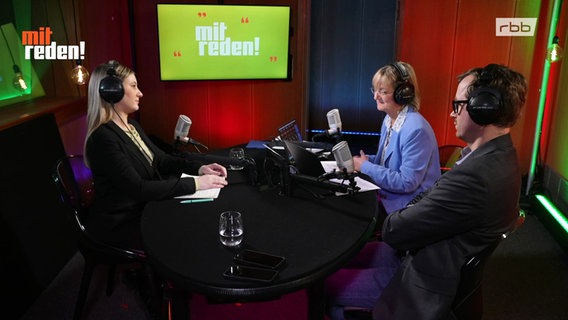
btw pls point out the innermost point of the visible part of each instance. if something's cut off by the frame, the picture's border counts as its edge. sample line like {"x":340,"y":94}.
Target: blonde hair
{"x":99,"y":111}
{"x":389,"y":74}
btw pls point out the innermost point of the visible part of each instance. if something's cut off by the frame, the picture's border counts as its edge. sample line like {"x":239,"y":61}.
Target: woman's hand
{"x":213,"y":169}
{"x":358,"y":160}
{"x":210,"y":181}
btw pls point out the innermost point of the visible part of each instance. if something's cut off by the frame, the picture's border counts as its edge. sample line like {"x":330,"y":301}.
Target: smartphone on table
{"x":259,"y":259}
{"x":250,"y":273}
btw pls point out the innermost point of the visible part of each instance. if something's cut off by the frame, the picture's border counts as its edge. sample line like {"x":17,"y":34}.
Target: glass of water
{"x":236,"y":154}
{"x":231,"y":229}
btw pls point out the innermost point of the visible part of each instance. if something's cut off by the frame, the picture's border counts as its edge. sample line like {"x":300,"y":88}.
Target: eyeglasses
{"x":381,"y":92}
{"x":456,"y":105}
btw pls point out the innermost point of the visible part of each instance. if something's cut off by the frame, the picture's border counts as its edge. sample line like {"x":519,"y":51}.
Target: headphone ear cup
{"x":110,"y":87}
{"x":484,"y":105}
{"x":404,"y":93}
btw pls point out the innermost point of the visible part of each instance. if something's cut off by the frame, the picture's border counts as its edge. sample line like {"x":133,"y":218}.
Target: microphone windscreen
{"x":343,"y":156}
{"x":182,"y":127}
{"x":334,"y":120}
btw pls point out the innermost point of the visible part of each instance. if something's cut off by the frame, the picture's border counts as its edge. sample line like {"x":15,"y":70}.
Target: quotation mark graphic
{"x":202,"y":14}
{"x":244,"y":20}
{"x":177,"y":53}
{"x":273,"y":59}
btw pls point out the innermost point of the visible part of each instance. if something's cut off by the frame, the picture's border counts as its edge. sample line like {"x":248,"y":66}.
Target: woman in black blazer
{"x":128,"y":169}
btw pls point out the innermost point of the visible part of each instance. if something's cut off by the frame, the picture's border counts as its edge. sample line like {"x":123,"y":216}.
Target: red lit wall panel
{"x":445,"y":38}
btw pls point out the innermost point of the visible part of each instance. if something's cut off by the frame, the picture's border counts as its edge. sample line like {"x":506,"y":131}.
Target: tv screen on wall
{"x":216,"y":42}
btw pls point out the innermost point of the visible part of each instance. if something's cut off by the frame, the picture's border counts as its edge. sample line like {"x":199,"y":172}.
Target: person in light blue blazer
{"x":406,"y":164}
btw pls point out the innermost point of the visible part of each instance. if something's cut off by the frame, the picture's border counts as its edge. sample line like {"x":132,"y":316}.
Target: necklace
{"x":135,"y":137}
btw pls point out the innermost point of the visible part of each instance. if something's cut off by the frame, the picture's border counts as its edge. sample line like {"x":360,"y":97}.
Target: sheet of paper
{"x":329,"y":166}
{"x":200,"y":194}
{"x":314,"y":150}
{"x":365,"y":185}
{"x":361,"y":183}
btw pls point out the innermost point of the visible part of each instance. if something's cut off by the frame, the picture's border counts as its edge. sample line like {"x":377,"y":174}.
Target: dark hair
{"x":511,"y":85}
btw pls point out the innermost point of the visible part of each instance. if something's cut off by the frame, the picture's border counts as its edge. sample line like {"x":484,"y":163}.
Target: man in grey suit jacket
{"x":469,"y":207}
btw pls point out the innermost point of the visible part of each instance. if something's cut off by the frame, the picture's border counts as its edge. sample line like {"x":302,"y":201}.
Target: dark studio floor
{"x":526,"y":278}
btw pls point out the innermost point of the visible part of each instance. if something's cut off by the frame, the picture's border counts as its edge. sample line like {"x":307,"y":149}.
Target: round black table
{"x":316,"y":236}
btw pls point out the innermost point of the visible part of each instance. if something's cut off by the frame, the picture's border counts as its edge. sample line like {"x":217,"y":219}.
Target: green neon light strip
{"x":554,"y":212}
{"x":538,"y":129}
{"x":542,"y":99}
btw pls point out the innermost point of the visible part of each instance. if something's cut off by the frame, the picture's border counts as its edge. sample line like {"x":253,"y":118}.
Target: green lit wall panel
{"x":12,"y":51}
{"x":558,"y":135}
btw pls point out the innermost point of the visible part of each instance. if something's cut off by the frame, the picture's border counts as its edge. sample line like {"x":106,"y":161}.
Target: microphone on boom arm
{"x":344,"y":160}
{"x":334,"y":123}
{"x":350,"y":188}
{"x":182,"y":130}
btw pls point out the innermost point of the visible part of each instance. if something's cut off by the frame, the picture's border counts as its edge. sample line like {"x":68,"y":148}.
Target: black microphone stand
{"x":326,"y":137}
{"x":343,"y":175}
{"x":324,"y":184}
{"x":178,"y":144}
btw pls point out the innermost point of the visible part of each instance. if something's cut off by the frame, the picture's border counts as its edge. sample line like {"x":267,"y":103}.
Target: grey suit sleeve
{"x":450,"y":208}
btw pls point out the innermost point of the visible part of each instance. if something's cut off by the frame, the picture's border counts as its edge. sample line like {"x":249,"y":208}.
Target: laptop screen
{"x":305,"y":161}
{"x":290,"y":132}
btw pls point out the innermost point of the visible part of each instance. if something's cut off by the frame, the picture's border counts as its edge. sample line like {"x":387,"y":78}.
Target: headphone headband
{"x":110,"y":87}
{"x":487,"y":74}
{"x":485,"y":103}
{"x":401,"y":70}
{"x":404,"y":90}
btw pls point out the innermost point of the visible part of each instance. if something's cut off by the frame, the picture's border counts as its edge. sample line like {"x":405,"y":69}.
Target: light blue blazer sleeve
{"x":412,"y":163}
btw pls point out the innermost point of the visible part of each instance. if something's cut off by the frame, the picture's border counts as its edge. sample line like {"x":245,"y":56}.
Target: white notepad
{"x":200,"y":194}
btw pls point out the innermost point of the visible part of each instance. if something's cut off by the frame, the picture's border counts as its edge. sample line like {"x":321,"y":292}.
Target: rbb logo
{"x":515,"y":27}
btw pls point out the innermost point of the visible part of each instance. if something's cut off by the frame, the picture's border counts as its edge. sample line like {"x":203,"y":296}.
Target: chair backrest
{"x":468,"y":303}
{"x":449,"y":154}
{"x":468,"y":296}
{"x":83,"y":179}
{"x":75,"y":183}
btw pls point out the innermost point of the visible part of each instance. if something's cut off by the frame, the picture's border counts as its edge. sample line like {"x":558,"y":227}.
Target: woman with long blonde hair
{"x":128,"y":169}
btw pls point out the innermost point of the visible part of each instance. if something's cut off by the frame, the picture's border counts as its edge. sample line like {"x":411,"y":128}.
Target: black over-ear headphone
{"x":484,"y":103}
{"x":110,"y":87}
{"x":404,"y":91}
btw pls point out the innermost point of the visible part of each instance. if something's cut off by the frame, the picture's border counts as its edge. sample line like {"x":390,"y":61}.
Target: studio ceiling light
{"x":18,"y":81}
{"x":79,"y":74}
{"x":555,"y":51}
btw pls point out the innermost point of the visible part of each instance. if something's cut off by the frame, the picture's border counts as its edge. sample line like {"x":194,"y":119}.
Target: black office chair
{"x":75,"y":184}
{"x":468,"y":303}
{"x":449,"y":154}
